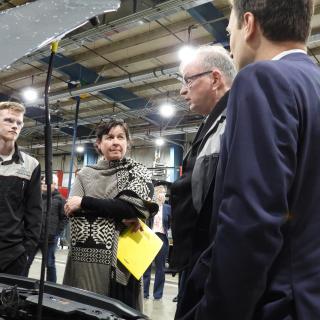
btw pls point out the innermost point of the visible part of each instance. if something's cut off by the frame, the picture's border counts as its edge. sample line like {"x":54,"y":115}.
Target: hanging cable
{"x":74,"y":139}
{"x":48,"y":175}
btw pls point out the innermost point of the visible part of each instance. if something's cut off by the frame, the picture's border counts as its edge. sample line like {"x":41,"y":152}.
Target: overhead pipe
{"x":113,"y":83}
{"x":140,"y":135}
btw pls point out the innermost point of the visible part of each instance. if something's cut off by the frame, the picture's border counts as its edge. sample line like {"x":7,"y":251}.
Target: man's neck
{"x":220,"y":93}
{"x":269,"y":49}
{"x":6,"y":147}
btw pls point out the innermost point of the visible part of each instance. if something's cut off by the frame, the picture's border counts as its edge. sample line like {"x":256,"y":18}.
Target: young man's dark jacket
{"x":20,"y":206}
{"x":191,"y":208}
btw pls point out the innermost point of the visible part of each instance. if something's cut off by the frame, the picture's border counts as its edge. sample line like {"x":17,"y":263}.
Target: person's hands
{"x":133,"y":223}
{"x":73,"y":204}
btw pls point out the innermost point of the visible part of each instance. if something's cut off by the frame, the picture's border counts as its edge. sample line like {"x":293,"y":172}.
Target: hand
{"x":73,"y":204}
{"x":134,"y":223}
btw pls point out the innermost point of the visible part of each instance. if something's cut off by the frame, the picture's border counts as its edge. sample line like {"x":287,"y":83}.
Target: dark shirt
{"x":20,"y":206}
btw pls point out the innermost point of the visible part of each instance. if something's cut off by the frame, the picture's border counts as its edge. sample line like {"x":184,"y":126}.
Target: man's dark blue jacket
{"x":264,"y":261}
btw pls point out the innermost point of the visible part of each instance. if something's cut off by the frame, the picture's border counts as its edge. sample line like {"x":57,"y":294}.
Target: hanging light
{"x":80,"y":148}
{"x":30,"y":94}
{"x":167,"y":110}
{"x":159,"y":142}
{"x":186,"y":53}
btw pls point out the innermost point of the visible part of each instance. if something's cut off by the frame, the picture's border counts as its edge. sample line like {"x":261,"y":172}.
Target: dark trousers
{"x":191,"y":289}
{"x":160,"y":261}
{"x":51,"y":265}
{"x":17,"y":267}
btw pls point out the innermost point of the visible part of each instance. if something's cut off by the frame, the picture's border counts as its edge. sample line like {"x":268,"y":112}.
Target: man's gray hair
{"x":215,"y":57}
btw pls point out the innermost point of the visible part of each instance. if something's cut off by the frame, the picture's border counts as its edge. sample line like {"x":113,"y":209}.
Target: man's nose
{"x":183,"y":90}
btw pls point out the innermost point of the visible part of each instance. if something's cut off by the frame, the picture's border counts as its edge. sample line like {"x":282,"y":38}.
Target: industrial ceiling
{"x":123,"y":64}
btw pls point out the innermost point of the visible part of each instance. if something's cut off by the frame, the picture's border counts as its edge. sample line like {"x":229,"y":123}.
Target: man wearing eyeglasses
{"x":264,"y":258}
{"x":206,"y":79}
{"x":20,"y":195}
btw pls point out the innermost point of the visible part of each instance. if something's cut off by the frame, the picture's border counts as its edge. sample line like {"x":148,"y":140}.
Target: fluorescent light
{"x":30,"y":94}
{"x":159,"y":142}
{"x":186,"y":53}
{"x":80,"y":149}
{"x":167,"y":110}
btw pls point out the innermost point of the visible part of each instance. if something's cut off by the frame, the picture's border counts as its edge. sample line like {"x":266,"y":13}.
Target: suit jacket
{"x":264,"y":261}
{"x":191,"y":220}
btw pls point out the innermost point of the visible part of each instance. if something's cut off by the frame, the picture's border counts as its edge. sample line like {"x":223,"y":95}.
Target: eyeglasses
{"x":187,"y":81}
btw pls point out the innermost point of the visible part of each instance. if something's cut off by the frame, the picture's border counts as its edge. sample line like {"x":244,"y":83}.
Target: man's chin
{"x":195,"y":109}
{"x":192,"y":108}
{"x":115,"y":157}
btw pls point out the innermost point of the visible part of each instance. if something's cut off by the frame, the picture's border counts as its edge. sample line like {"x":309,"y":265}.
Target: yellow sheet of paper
{"x":136,"y":250}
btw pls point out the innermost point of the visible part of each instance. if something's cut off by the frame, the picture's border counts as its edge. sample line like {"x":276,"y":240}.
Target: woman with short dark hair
{"x":102,"y":196}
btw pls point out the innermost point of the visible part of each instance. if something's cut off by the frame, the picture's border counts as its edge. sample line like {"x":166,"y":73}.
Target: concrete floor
{"x":155,"y":310}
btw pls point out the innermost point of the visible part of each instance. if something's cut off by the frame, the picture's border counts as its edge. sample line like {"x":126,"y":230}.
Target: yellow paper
{"x":136,"y":250}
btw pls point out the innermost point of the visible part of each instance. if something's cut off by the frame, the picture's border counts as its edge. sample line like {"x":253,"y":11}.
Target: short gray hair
{"x":214,"y":56}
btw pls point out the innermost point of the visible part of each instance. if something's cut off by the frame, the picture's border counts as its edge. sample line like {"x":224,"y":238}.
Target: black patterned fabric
{"x":94,"y":239}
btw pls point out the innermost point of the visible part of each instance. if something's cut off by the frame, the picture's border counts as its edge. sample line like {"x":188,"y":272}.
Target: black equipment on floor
{"x":19,"y":299}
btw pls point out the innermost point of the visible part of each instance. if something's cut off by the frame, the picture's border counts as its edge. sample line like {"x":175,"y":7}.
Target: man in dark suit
{"x":264,"y":261}
{"x":160,"y":224}
{"x":207,"y":78}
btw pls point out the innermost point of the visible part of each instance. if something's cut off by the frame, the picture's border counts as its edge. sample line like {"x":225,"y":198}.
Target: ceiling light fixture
{"x":167,"y":110}
{"x":186,"y":53}
{"x":159,"y":142}
{"x":30,"y":95}
{"x":80,"y":149}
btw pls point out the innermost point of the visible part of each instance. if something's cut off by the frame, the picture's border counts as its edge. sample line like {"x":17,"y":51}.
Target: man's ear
{"x":216,"y":78}
{"x":249,"y":25}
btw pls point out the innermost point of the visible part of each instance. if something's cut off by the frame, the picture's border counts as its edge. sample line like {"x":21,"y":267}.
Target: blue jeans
{"x":51,"y":265}
{"x":160,"y":261}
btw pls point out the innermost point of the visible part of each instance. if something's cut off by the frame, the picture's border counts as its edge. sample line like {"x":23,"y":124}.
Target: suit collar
{"x":288,"y":52}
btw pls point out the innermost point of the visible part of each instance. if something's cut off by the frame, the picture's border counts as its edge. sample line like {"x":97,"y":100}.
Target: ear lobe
{"x":250,"y":25}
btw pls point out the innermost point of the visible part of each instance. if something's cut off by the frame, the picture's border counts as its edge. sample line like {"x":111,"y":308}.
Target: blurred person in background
{"x":56,"y":223}
{"x":160,"y":224}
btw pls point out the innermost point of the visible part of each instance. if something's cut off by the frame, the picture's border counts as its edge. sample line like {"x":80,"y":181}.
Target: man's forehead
{"x":190,"y":67}
{"x":11,"y":113}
